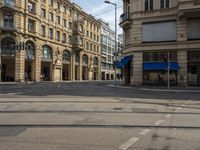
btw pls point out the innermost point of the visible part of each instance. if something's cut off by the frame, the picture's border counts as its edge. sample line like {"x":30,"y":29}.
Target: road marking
{"x":168,"y":116}
{"x":127,"y":144}
{"x":159,"y":122}
{"x":145,"y":131}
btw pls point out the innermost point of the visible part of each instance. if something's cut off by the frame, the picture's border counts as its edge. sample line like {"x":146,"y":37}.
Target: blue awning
{"x":155,"y":66}
{"x":124,"y":61}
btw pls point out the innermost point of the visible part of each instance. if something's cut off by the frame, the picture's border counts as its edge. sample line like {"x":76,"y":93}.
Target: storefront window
{"x":159,"y":56}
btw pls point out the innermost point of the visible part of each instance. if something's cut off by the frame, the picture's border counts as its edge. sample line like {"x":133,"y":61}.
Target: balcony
{"x":78,"y":47}
{"x":7,"y":5}
{"x":189,"y":8}
{"x":125,"y":20}
{"x":8,"y":27}
{"x":78,"y":44}
{"x":78,"y":27}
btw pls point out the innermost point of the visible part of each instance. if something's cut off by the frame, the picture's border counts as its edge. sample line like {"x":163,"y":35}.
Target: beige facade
{"x":154,"y":28}
{"x":48,"y":40}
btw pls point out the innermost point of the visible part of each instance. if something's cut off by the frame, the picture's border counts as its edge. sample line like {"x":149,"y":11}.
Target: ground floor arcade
{"x":45,"y":62}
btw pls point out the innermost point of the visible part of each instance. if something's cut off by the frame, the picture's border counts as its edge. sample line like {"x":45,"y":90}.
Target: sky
{"x":99,"y":9}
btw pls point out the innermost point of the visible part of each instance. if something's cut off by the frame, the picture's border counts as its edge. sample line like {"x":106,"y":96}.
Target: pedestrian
{"x":26,"y":77}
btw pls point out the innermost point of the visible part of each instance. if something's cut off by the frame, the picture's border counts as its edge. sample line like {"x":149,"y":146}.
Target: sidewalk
{"x":189,"y":89}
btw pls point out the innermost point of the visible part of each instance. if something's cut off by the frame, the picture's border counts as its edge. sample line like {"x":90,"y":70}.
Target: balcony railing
{"x":8,"y":27}
{"x":124,"y":17}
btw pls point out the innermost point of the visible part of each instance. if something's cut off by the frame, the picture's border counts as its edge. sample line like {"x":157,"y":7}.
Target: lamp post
{"x":168,"y":71}
{"x":108,"y":2}
{"x":0,"y":64}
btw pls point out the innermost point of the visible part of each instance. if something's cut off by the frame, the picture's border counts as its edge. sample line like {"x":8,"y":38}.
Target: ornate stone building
{"x":50,"y":40}
{"x":159,"y":34}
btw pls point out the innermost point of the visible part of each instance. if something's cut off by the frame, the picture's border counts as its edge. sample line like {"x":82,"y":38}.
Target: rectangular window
{"x":81,"y":41}
{"x":91,"y":46}
{"x":43,"y":13}
{"x":31,"y":7}
{"x":159,"y":32}
{"x":164,"y":3}
{"x":70,"y":25}
{"x":51,"y":33}
{"x":81,"y":28}
{"x":31,"y":25}
{"x":65,"y":9}
{"x":50,"y":16}
{"x":91,"y":35}
{"x":97,"y":49}
{"x":159,"y":56}
{"x":70,"y":39}
{"x":64,"y":38}
{"x":148,"y":4}
{"x":64,"y":23}
{"x":57,"y":19}
{"x":194,"y":29}
{"x":58,"y":35}
{"x":9,"y":21}
{"x":43,"y":30}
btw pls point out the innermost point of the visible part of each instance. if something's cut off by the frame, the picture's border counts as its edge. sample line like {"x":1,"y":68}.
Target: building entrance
{"x":7,"y":59}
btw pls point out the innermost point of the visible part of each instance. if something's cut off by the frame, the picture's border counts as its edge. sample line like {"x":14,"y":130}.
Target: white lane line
{"x":145,"y":131}
{"x":127,"y":144}
{"x":159,"y":122}
{"x":183,"y":105}
{"x":168,"y":115}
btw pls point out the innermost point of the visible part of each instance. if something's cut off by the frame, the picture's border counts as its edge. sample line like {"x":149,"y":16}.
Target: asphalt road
{"x":97,"y":116}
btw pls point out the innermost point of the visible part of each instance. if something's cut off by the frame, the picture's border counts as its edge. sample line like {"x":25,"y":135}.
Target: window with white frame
{"x":164,"y":3}
{"x":148,"y":4}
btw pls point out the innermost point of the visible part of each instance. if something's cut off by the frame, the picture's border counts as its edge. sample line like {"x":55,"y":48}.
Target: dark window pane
{"x":146,"y":5}
{"x":151,"y":4}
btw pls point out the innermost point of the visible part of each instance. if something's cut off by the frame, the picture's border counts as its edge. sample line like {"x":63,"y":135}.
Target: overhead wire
{"x":107,"y":11}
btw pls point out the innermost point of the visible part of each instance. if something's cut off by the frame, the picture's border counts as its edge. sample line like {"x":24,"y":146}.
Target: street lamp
{"x":108,"y":2}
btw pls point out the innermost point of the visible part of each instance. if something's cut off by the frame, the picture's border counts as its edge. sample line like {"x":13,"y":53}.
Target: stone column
{"x":37,"y":63}
{"x":19,"y":66}
{"x":99,"y":69}
{"x":72,"y":68}
{"x":136,"y":71}
{"x":80,"y":70}
{"x":182,"y":72}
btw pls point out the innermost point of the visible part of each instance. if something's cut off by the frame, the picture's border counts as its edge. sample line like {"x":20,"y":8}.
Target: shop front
{"x":156,"y":66}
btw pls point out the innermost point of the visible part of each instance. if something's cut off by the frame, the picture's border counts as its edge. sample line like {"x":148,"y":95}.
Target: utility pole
{"x":168,"y":70}
{"x":108,"y":2}
{"x":0,"y":64}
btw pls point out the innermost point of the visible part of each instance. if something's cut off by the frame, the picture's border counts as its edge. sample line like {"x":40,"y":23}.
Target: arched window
{"x":8,"y":46}
{"x":46,"y":52}
{"x":85,"y":60}
{"x":30,"y":50}
{"x":66,"y":56}
{"x":95,"y":61}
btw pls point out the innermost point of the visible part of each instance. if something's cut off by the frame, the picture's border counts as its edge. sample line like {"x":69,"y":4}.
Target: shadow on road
{"x":89,"y":89}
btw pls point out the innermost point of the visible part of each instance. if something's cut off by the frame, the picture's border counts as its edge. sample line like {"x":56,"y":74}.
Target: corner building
{"x":49,"y":40}
{"x":156,"y":29}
